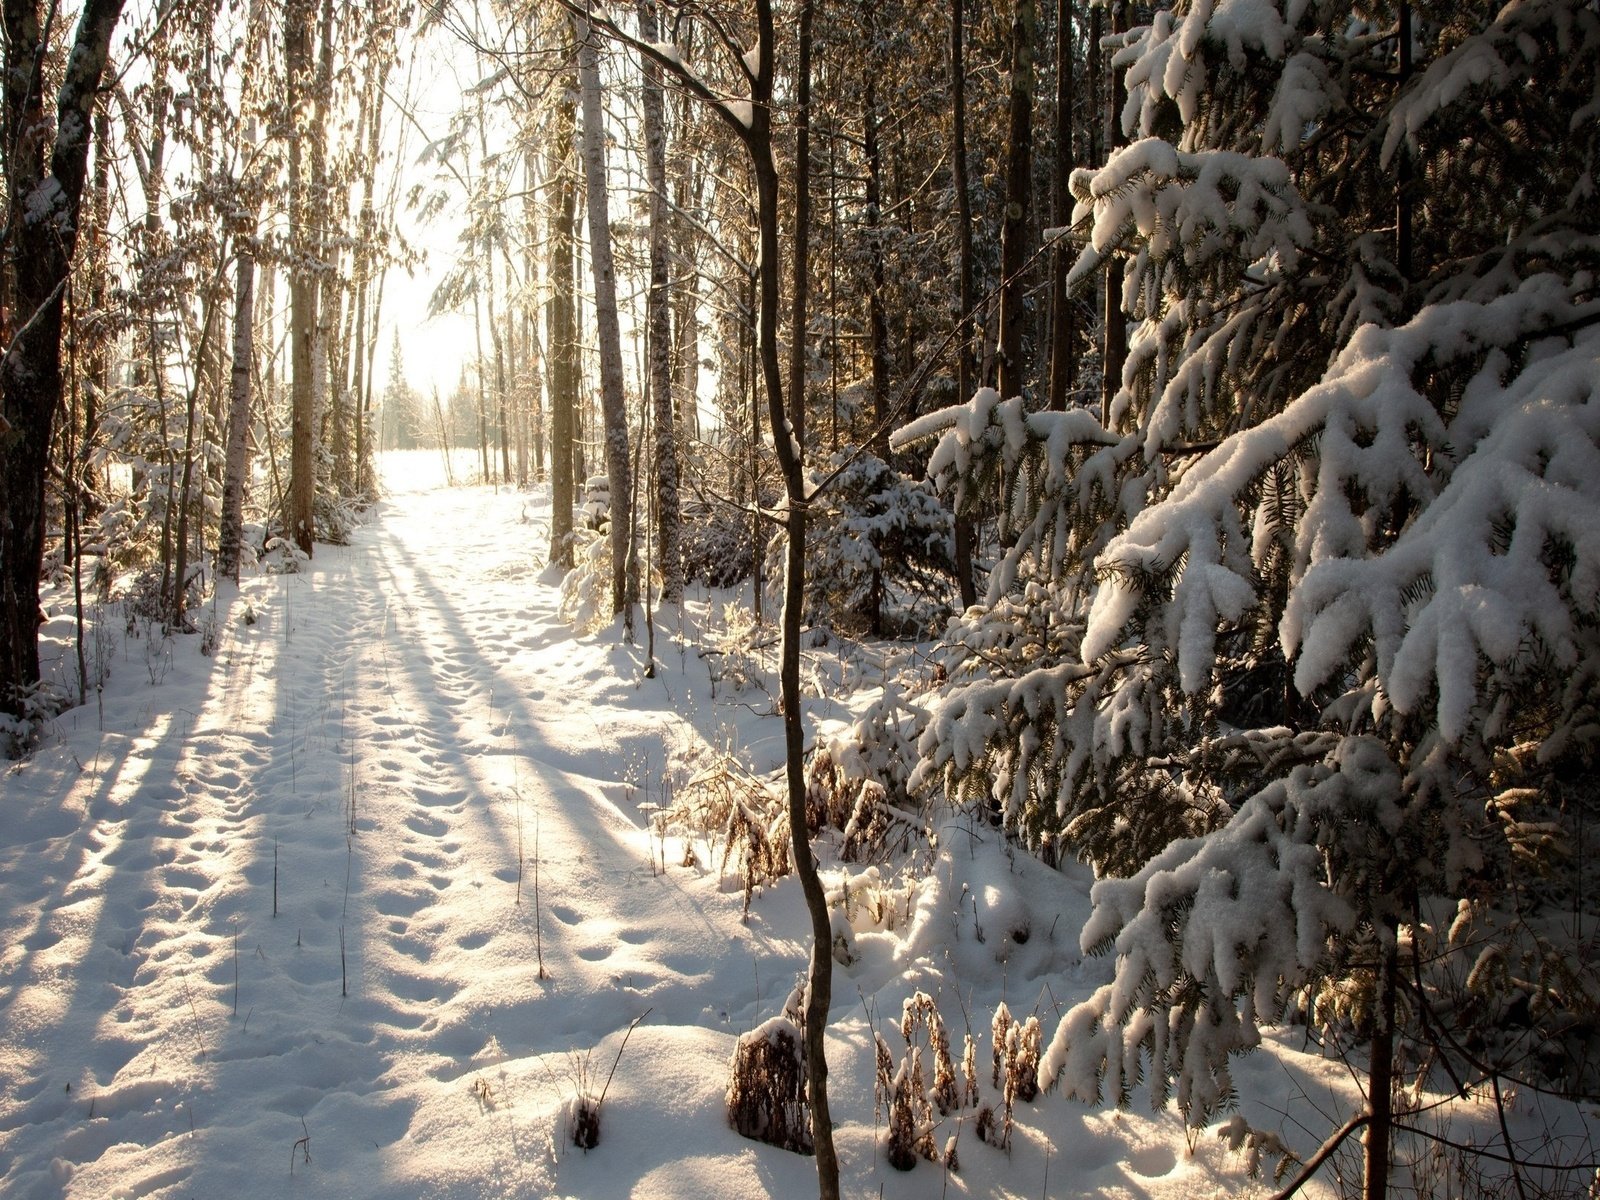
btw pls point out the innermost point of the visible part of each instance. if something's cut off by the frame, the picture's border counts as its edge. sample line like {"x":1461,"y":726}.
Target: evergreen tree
{"x":1302,"y":637}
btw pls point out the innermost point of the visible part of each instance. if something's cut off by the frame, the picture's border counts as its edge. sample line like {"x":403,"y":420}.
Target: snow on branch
{"x":1369,"y":448}
{"x":1196,"y":206}
{"x":1525,"y":44}
{"x":1213,"y":932}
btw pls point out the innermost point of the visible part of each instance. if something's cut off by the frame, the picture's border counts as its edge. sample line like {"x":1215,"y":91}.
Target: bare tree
{"x":561,"y":334}
{"x":302,"y":285}
{"x":751,"y":123}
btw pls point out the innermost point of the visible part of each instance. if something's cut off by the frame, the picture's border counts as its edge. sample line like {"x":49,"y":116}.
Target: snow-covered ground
{"x":271,"y":921}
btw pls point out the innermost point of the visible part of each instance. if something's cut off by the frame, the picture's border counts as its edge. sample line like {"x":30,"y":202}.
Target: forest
{"x":663,"y":598}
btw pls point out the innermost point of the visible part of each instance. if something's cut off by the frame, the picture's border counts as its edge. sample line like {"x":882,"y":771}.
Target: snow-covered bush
{"x":881,"y":744}
{"x":1275,"y":637}
{"x":880,"y":549}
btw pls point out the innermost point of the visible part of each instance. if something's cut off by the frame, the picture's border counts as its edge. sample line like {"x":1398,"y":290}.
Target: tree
{"x":613,"y":405}
{"x":45,"y":167}
{"x":297,"y":39}
{"x":561,"y":333}
{"x":1018,"y":220}
{"x":1319,"y":592}
{"x":659,"y":322}
{"x":750,"y":121}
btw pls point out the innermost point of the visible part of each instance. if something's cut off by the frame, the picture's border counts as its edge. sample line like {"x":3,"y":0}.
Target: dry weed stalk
{"x":1017,"y":1045}
{"x":723,"y":800}
{"x":767,"y":1085}
{"x":904,"y":1092}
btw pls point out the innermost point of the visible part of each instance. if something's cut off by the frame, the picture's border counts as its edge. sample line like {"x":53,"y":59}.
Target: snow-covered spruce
{"x":880,"y":547}
{"x":1319,"y":599}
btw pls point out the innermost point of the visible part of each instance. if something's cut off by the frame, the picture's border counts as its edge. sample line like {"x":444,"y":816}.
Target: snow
{"x":373,"y":753}
{"x":670,"y":52}
{"x":742,"y":111}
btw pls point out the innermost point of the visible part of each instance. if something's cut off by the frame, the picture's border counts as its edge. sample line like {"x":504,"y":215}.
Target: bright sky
{"x":434,"y":348}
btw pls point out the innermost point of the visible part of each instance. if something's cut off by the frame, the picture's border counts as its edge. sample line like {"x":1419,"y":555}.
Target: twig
{"x":303,"y":1145}
{"x":1324,"y":1152}
{"x":601,"y":1099}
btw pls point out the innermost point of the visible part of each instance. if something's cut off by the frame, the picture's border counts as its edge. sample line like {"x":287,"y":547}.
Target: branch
{"x":909,"y":388}
{"x":691,"y":82}
{"x":1482,"y":1152}
{"x":55,"y":294}
{"x":1324,"y":1152}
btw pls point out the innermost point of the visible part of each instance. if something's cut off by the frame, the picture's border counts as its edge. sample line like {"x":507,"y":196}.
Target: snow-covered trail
{"x":262,"y":935}
{"x":398,"y":727}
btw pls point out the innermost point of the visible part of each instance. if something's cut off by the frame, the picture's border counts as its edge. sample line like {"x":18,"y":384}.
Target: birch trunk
{"x":302,"y":289}
{"x":561,"y":339}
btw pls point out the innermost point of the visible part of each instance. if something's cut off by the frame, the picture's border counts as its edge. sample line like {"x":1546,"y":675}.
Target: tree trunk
{"x":561,"y":339}
{"x":236,"y":464}
{"x":1115,"y":332}
{"x":964,"y":360}
{"x":302,"y":288}
{"x":755,"y":132}
{"x":877,"y":325}
{"x":1380,"y":1073}
{"x":1019,"y":201}
{"x":326,"y":388}
{"x":1061,"y":323}
{"x":802,"y":230}
{"x":819,"y":979}
{"x":687,"y":306}
{"x":658,"y":321}
{"x":50,"y":192}
{"x":613,"y":410}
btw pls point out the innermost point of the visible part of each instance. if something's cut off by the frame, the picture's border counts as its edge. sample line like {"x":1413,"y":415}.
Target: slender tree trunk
{"x":1019,"y":201}
{"x":236,"y":461}
{"x":965,"y":367}
{"x":748,"y":351}
{"x":687,"y":297}
{"x":614,"y":413}
{"x":100,"y":336}
{"x":658,"y":321}
{"x":1061,"y":323}
{"x":327,"y":391}
{"x":533,"y":353}
{"x":561,"y":338}
{"x":877,"y":325}
{"x":1115,"y":320}
{"x":44,"y":180}
{"x":819,"y":978}
{"x":755,"y":132}
{"x":363,"y":265}
{"x":302,"y":287}
{"x":802,"y":230}
{"x":1380,"y":1073}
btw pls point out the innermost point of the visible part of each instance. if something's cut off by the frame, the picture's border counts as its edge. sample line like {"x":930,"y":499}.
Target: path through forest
{"x":377,"y":748}
{"x":418,"y":689}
